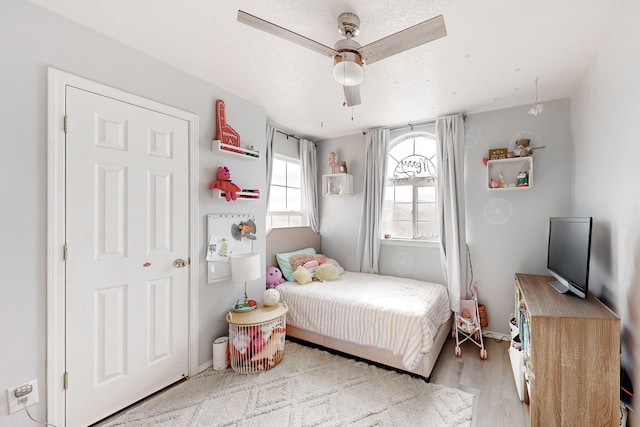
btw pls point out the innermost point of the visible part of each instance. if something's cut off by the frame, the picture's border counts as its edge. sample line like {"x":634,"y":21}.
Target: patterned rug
{"x":309,"y":387}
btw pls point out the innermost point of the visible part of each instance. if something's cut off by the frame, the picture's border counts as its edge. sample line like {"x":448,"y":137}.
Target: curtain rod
{"x":420,"y":123}
{"x":288,"y":135}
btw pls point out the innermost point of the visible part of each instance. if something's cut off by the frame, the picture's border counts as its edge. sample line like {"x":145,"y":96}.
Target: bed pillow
{"x":285,"y":265}
{"x":301,"y":259}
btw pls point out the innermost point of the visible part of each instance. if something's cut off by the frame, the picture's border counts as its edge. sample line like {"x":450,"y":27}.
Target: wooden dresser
{"x":572,"y":356}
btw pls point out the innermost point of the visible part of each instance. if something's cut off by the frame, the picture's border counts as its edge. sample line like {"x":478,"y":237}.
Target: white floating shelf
{"x":233,"y":150}
{"x":244,"y":195}
{"x":510,"y":169}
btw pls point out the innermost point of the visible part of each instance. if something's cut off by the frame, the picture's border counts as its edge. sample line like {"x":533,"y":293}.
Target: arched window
{"x":411,"y":191}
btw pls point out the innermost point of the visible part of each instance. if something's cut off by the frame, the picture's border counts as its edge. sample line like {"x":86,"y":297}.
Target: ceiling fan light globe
{"x":348,"y":73}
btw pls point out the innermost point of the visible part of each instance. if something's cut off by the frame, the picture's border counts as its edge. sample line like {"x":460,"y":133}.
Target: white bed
{"x":409,"y":339}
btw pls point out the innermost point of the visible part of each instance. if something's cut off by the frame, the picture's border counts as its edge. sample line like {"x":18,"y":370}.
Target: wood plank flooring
{"x":497,"y":403}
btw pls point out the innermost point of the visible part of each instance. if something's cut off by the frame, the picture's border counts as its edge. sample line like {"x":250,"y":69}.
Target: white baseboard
{"x":496,"y":335}
{"x":206,"y":365}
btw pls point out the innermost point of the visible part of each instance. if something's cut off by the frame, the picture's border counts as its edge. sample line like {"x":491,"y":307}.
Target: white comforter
{"x":396,"y":314}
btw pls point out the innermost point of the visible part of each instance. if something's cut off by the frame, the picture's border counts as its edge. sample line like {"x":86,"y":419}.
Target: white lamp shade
{"x":245,"y":267}
{"x":347,"y":71}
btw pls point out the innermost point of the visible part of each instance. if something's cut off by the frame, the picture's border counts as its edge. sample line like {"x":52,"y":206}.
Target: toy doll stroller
{"x":467,"y":324}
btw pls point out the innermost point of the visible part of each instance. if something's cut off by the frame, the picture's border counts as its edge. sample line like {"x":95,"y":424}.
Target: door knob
{"x":179,"y":263}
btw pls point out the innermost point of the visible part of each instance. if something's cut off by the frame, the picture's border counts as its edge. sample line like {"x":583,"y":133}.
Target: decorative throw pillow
{"x":302,"y":275}
{"x":284,"y":264}
{"x":327,"y":272}
{"x":336,"y":264}
{"x":302,"y":259}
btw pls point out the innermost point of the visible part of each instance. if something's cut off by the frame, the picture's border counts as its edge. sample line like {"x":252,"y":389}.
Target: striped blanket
{"x":392,"y":313}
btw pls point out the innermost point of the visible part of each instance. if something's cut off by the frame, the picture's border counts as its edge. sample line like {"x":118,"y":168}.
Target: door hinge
{"x":65,"y":380}
{"x":66,"y":123}
{"x":65,"y":252}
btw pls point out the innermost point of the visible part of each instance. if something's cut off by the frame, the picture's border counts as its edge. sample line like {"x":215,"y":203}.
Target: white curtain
{"x":309,"y":169}
{"x":451,"y":214}
{"x":375,"y":169}
{"x":271,"y":136}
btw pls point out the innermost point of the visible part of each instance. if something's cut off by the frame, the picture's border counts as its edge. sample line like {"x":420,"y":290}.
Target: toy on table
{"x":224,"y":183}
{"x":274,"y":277}
{"x":271,"y":297}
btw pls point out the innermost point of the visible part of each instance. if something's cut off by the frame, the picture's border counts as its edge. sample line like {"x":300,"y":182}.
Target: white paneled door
{"x":127,"y":249}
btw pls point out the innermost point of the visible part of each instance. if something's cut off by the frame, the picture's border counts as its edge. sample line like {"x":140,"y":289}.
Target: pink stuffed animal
{"x":274,"y":277}
{"x":224,"y":183}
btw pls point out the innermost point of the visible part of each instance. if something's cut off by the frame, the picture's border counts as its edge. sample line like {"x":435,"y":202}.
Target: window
{"x":411,"y":193}
{"x":285,"y":205}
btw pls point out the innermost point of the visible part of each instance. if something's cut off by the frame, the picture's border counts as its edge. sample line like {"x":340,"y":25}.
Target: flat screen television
{"x":568,"y":254}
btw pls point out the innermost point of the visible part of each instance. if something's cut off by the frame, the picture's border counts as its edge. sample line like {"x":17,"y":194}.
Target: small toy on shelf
{"x":494,"y":183}
{"x":343,"y":167}
{"x":274,"y":277}
{"x":225,"y":184}
{"x":501,"y":179}
{"x":523,"y":179}
{"x":522,"y":149}
{"x":226,"y":133}
{"x":332,"y":162}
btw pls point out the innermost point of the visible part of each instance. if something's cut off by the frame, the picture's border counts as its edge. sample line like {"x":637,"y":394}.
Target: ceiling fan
{"x":348,"y":56}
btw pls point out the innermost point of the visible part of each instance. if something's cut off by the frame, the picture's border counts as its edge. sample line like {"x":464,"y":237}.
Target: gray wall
{"x":34,"y":39}
{"x":498,"y":250}
{"x":606,"y":129}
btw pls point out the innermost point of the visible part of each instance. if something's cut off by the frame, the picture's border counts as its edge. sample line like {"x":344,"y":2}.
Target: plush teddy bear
{"x":274,"y":277}
{"x":522,"y":148}
{"x":224,"y":183}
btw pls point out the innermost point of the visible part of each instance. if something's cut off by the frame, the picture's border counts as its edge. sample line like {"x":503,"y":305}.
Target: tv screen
{"x":568,"y":254}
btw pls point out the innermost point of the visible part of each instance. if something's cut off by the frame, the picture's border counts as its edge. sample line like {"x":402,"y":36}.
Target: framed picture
{"x":227,"y":235}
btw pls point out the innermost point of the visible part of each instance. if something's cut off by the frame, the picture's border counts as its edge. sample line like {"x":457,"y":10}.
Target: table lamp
{"x":245,"y":267}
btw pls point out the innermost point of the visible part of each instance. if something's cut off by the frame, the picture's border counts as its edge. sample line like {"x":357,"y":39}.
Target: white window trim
{"x":292,"y":212}
{"x":398,"y":241}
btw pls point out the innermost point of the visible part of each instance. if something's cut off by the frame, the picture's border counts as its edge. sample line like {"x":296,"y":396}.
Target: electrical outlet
{"x":22,"y":392}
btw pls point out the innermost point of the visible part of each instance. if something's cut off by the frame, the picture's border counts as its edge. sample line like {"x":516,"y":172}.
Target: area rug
{"x":309,"y":387}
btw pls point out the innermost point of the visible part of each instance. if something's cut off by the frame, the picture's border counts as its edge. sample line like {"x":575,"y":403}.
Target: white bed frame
{"x":290,"y":239}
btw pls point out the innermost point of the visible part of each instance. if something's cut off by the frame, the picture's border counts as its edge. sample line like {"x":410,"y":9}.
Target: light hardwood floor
{"x":497,"y":403}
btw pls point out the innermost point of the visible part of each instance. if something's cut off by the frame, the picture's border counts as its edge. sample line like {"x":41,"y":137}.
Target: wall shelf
{"x":337,"y":184}
{"x":216,"y":144}
{"x":510,"y":169}
{"x":244,"y":195}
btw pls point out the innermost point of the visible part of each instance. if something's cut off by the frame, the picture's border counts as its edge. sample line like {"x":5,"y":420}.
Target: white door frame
{"x":56,"y":353}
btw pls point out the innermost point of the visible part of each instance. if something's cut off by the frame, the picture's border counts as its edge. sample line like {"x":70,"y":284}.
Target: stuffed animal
{"x":274,"y":277}
{"x":522,"y":148}
{"x":223,"y":183}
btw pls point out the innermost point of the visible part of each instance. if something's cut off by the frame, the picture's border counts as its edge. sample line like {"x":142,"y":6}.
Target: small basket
{"x":255,"y":348}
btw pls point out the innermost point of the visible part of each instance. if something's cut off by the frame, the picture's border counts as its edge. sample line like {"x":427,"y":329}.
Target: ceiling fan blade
{"x":406,"y":39}
{"x":352,"y":95}
{"x":276,"y":30}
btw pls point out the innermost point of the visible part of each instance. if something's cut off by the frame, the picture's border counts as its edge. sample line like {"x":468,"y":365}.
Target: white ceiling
{"x":490,"y":58}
